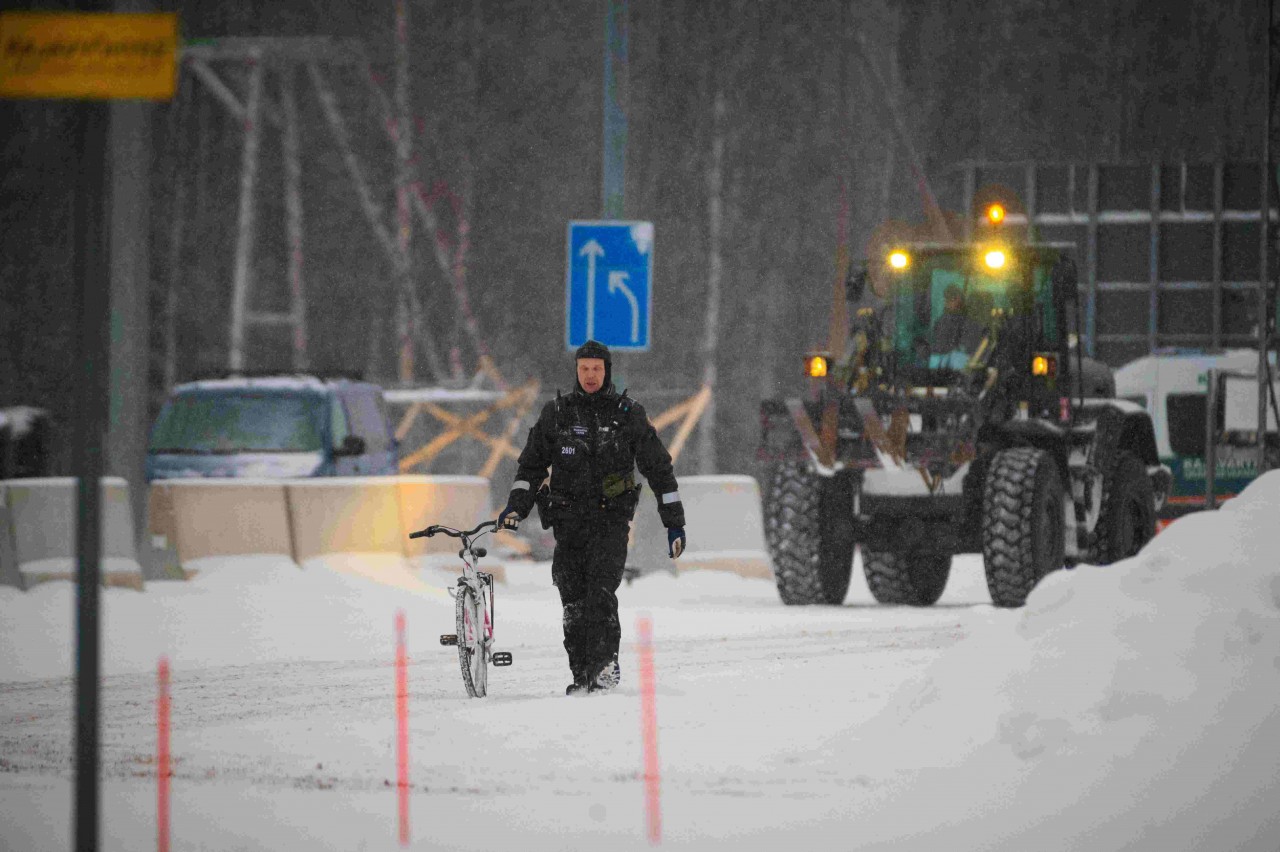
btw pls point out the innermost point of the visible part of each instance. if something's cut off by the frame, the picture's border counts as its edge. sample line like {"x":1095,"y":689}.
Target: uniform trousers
{"x":587,"y":567}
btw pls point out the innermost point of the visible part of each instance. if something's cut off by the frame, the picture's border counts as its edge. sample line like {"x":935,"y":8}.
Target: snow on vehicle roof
{"x":1180,"y":367}
{"x":294,"y":383}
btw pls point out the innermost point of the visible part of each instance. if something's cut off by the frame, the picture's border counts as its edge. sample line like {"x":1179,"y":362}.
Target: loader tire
{"x":1127,"y":520}
{"x":810,"y":532}
{"x":910,"y":579}
{"x":1023,"y":535}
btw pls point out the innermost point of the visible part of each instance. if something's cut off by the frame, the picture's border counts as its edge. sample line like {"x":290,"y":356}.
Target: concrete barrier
{"x":357,"y":514}
{"x":460,"y":502}
{"x":724,"y":523}
{"x":304,"y":519}
{"x":41,"y":518}
{"x":200,"y":518}
{"x":10,"y":575}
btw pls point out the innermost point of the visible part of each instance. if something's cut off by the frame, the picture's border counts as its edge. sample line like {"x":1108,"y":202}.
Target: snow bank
{"x":1133,"y":704}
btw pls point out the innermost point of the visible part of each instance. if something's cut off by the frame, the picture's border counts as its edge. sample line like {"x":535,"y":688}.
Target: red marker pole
{"x":649,"y":731}
{"x":162,"y":757}
{"x":402,"y":729}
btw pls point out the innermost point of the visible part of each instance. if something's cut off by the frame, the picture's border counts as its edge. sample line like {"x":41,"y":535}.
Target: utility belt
{"x":619,"y":494}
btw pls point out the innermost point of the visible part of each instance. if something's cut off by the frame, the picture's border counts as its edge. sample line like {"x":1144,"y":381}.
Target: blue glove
{"x":675,"y":541}
{"x":509,"y":519}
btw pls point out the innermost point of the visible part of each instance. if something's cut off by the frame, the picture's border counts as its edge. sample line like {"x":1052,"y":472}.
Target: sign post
{"x":92,"y":56}
{"x":609,"y":284}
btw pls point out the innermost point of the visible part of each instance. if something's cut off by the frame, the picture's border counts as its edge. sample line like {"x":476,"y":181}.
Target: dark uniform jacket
{"x":593,"y":443}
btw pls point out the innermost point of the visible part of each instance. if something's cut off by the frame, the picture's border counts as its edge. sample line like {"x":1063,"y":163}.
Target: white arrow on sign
{"x":617,"y":281}
{"x":592,"y":250}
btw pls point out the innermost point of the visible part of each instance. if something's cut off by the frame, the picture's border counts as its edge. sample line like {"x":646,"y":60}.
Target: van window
{"x":368,"y":419}
{"x":240,"y":421}
{"x":1186,"y":412}
{"x":338,"y":429}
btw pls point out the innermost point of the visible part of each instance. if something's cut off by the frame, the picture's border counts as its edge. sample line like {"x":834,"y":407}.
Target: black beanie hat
{"x":593,"y":349}
{"x":596,"y":349}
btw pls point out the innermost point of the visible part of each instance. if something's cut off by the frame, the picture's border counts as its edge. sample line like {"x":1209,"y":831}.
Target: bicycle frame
{"x":475,"y":612}
{"x":477,"y":580}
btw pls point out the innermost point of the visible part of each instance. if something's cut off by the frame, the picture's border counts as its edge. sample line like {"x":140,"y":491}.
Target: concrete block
{"x":345,"y":515}
{"x":200,"y":518}
{"x":460,"y":502}
{"x":42,"y":517}
{"x":724,"y":523}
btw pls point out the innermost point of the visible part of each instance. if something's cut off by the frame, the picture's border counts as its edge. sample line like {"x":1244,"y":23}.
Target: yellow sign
{"x":94,"y":55}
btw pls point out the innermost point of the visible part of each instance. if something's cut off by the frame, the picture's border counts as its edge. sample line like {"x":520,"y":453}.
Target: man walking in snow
{"x":592,"y":440}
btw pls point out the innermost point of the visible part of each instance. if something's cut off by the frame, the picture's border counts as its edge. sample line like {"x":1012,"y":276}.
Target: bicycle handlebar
{"x":449,"y":531}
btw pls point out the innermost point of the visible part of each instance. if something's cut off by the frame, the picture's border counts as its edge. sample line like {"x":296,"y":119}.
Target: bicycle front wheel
{"x":473,"y":629}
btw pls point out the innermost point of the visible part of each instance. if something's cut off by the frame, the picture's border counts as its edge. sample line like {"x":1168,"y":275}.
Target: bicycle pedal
{"x":501,"y":658}
{"x":448,"y":639}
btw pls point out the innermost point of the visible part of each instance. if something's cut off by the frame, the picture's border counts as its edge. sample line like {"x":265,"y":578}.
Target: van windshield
{"x":242,"y":421}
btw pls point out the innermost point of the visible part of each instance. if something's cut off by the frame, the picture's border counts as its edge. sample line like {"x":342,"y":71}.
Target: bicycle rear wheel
{"x":472,"y":614}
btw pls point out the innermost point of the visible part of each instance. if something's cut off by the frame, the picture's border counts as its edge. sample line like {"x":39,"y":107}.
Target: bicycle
{"x":473,"y":610}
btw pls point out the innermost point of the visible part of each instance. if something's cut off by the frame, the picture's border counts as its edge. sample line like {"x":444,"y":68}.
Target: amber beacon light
{"x":1044,"y":365}
{"x":815,"y":366}
{"x":995,"y":214}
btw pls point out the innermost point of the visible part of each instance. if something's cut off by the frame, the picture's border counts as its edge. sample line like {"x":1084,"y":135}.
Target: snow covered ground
{"x":1129,"y":707}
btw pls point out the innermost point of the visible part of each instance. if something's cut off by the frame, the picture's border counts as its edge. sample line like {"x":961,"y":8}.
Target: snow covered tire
{"x":1023,"y":535}
{"x":1127,"y":520}
{"x":810,"y":532}
{"x":911,"y":579}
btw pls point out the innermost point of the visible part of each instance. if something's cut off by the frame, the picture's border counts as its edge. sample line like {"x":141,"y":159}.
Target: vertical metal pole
{"x":970,"y":189}
{"x":1217,"y":253}
{"x":293,"y":214}
{"x":715,"y":244}
{"x":179,"y":115}
{"x":1211,"y":442}
{"x":90,"y":268}
{"x":244,"y":236}
{"x":1091,"y":263}
{"x":1264,"y":252}
{"x":715,"y":275}
{"x":1030,"y":180}
{"x":128,"y":414}
{"x":1071,"y":188}
{"x":404,"y":155}
{"x":1153,"y":259}
{"x":615,"y":115}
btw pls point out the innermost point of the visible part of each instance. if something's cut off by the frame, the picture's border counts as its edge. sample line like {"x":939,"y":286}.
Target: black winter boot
{"x":578,"y":687}
{"x":607,"y":676}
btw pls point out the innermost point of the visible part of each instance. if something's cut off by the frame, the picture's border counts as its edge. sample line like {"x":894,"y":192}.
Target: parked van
{"x":279,"y":426}
{"x":1173,"y":385}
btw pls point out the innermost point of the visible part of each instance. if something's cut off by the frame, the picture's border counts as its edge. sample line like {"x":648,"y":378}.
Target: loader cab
{"x":949,"y":306}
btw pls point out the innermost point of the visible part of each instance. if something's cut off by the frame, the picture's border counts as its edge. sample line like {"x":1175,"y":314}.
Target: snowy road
{"x":1132,"y":706}
{"x":303,"y":706}
{"x":746,"y":689}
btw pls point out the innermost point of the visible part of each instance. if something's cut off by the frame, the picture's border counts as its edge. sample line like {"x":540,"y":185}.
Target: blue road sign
{"x":609,"y":284}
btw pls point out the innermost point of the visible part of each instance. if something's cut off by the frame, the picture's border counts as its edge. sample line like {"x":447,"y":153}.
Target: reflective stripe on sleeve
{"x":671,"y":497}
{"x":520,"y":483}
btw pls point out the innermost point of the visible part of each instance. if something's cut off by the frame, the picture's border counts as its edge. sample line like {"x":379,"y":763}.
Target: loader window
{"x":920,"y":302}
{"x":1042,"y":286}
